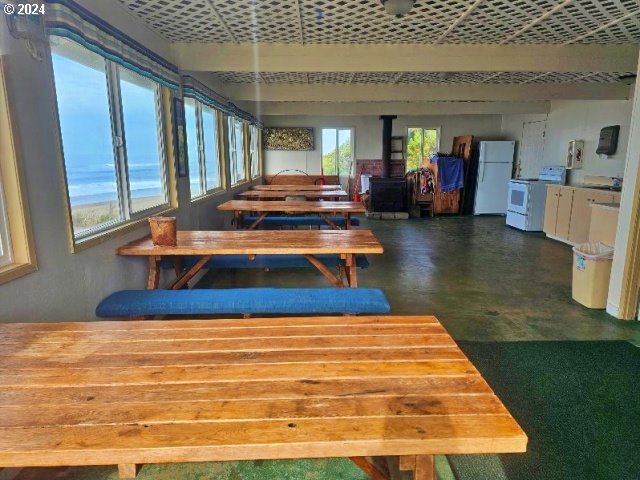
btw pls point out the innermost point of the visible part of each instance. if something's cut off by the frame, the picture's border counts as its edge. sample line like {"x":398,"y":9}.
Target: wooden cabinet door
{"x":581,"y":212}
{"x":551,"y":210}
{"x":565,"y":204}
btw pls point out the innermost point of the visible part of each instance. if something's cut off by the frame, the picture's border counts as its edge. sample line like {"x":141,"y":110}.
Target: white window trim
{"x":254,"y":153}
{"x":233,"y":152}
{"x":353,"y":148}
{"x":202,"y":163}
{"x":20,"y":258}
{"x":422,"y":129}
{"x":128,"y":217}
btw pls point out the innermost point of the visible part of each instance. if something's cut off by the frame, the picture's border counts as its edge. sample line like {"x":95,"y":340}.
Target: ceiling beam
{"x":409,"y":93}
{"x":458,"y":20}
{"x":229,"y":57}
{"x":536,"y":21}
{"x":395,"y":108}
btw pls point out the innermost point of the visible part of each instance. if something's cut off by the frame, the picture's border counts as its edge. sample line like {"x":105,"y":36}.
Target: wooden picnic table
{"x":263,"y":207}
{"x":205,"y":244}
{"x":282,"y":194}
{"x":293,"y":188}
{"x":135,"y":392}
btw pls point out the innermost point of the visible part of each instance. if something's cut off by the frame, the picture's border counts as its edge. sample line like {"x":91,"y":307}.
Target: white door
{"x":531,"y":149}
{"x":493,"y":188}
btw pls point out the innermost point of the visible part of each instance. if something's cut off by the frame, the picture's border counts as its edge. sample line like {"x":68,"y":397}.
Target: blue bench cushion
{"x":301,"y":221}
{"x":134,"y":303}
{"x":267,"y":261}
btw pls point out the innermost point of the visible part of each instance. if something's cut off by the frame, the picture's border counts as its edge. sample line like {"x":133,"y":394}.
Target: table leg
{"x":423,"y":466}
{"x":370,"y":468}
{"x":127,"y":470}
{"x":328,"y":221}
{"x":347,"y":221}
{"x":352,"y":270}
{"x":153,"y":280}
{"x":183,"y":279}
{"x":257,"y":221}
{"x":322,"y":268}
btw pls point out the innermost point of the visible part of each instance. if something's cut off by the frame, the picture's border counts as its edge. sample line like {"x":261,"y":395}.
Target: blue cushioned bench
{"x":244,"y":301}
{"x":302,"y":221}
{"x":267,"y":261}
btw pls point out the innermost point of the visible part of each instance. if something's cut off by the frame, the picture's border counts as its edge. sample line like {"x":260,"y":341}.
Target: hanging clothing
{"x":450,"y":172}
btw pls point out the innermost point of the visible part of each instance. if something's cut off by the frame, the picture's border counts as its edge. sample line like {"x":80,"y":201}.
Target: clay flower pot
{"x":163,"y":231}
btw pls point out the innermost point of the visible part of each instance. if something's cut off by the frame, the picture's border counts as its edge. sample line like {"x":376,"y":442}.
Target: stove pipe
{"x":387,"y":127}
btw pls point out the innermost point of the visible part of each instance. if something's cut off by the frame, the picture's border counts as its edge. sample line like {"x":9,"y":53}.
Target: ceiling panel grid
{"x":180,"y":20}
{"x":365,"y":21}
{"x":421,"y":78}
{"x":582,"y":17}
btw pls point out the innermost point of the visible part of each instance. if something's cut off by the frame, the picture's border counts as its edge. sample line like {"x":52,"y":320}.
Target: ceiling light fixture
{"x":398,"y":7}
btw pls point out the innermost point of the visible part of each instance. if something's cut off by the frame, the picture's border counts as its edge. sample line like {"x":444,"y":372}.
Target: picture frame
{"x":179,"y":137}
{"x":289,"y":138}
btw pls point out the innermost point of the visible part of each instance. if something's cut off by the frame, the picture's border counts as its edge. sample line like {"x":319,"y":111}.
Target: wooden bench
{"x":298,"y":221}
{"x":243,"y":301}
{"x":132,"y":392}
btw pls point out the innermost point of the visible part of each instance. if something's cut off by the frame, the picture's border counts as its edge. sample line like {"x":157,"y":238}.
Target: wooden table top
{"x":269,"y":242}
{"x":100,"y":393}
{"x":293,"y":206}
{"x":295,"y":193}
{"x":292,"y":188}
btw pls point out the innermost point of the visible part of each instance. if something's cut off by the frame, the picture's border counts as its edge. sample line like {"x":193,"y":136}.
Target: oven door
{"x":518,"y":197}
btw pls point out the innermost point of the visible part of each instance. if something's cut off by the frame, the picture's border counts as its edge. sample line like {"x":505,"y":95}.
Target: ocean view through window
{"x":112,"y":141}
{"x":237,"y":161}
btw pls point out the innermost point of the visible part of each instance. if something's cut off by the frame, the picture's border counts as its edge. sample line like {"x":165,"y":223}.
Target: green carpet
{"x":578,"y":402}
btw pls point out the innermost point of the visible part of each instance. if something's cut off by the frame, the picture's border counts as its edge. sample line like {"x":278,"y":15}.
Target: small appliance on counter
{"x":600,"y":181}
{"x":527,"y":198}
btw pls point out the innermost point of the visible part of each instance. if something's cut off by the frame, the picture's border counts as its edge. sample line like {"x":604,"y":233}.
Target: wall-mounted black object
{"x":387,"y":127}
{"x":608,"y":142}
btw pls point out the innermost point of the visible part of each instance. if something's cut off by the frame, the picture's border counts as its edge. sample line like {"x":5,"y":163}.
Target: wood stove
{"x":388,"y":194}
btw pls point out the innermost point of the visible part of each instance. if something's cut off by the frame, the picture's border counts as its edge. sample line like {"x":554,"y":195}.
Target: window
{"x":337,"y":151}
{"x":17,"y":254}
{"x":203,"y":148}
{"x":235,"y":138}
{"x":254,"y":151}
{"x":113,"y":146}
{"x":422,"y":144}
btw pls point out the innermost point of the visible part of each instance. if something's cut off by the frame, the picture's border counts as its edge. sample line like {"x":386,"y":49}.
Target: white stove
{"x":527,"y":198}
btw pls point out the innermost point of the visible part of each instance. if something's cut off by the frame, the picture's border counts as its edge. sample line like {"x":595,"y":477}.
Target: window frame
{"x":230,"y":132}
{"x":14,"y":209}
{"x":128,"y":218}
{"x":352,"y":141}
{"x":254,"y":130}
{"x":422,"y":129}
{"x":201,"y":149}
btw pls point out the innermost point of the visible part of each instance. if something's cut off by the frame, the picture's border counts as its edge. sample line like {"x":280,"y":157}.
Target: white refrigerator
{"x":495,"y":167}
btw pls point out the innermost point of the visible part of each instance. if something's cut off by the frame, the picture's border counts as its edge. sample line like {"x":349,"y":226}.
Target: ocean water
{"x":97,"y":183}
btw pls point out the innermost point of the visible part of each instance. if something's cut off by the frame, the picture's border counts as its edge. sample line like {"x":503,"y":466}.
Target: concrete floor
{"x":483,"y":280}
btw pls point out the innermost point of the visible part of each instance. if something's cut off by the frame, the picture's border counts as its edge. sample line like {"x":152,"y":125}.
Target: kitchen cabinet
{"x":604,"y":223}
{"x":567,"y":214}
{"x":581,"y":212}
{"x":557,"y":214}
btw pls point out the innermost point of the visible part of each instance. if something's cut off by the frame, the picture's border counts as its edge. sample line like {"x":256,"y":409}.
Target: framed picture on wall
{"x":179,"y":136}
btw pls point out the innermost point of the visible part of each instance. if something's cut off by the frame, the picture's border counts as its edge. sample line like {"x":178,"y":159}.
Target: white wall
{"x":579,"y":120}
{"x":368,"y":135}
{"x":68,"y":286}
